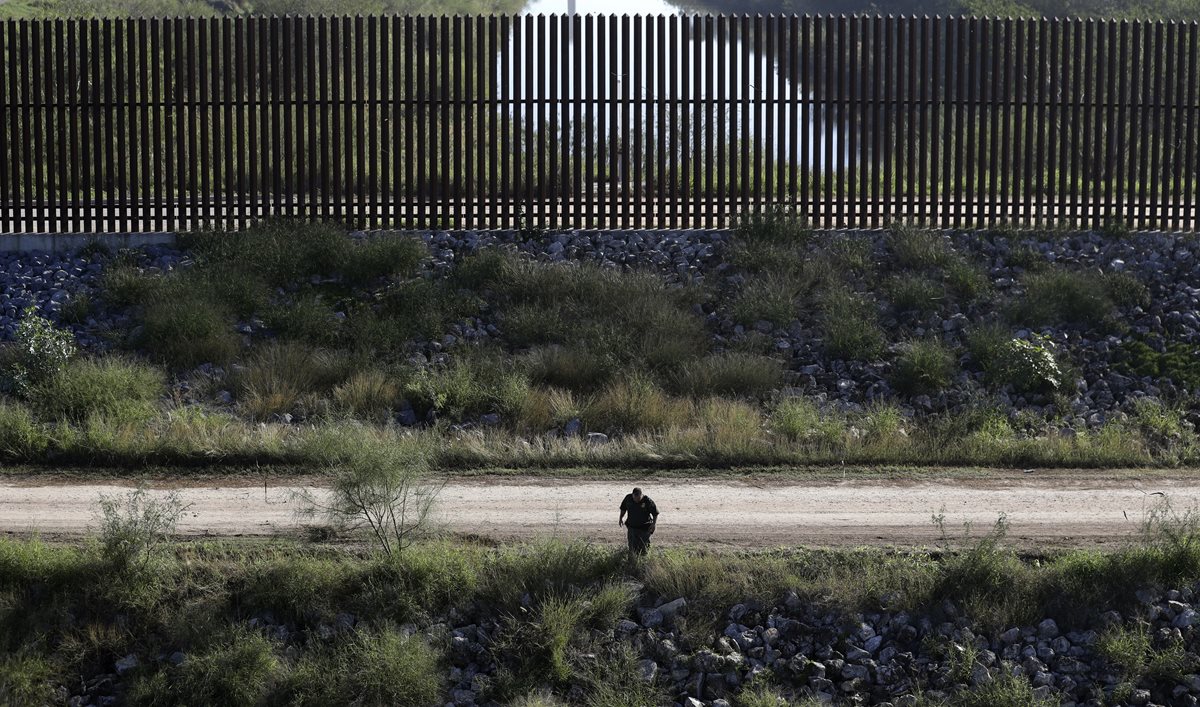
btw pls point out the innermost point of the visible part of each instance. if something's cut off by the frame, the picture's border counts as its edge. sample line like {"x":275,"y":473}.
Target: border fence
{"x":596,"y":121}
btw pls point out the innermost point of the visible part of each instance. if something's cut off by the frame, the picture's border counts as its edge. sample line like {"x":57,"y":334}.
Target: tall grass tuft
{"x":729,"y":374}
{"x":851,"y":325}
{"x":923,"y":366}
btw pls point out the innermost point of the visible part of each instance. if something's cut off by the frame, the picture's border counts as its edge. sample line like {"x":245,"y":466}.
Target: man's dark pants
{"x":639,"y":540}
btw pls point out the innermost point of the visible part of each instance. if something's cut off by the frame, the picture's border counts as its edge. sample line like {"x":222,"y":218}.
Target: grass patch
{"x":770,"y":298}
{"x":775,"y":224}
{"x":633,"y":405}
{"x":383,"y":256}
{"x":914,"y":293}
{"x":238,"y":668}
{"x":850,"y":323}
{"x":923,"y":366}
{"x":468,"y":387}
{"x":279,"y":376}
{"x":186,"y":332}
{"x":1134,"y":652}
{"x":915,"y":248}
{"x":635,"y":318}
{"x":1063,"y":297}
{"x":370,"y":395}
{"x":1179,"y":362}
{"x":117,"y":389}
{"x":574,"y":368}
{"x":966,"y":280}
{"x":729,"y":374}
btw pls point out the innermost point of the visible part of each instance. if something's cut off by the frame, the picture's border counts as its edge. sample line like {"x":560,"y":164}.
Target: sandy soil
{"x":1042,"y":512}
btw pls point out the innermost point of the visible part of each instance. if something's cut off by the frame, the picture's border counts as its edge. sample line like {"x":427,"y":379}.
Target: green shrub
{"x":1180,"y":362}
{"x":547,"y":407}
{"x":412,"y":309}
{"x":729,"y":374}
{"x":468,"y":387}
{"x":278,"y":252}
{"x":308,"y":319}
{"x":774,"y":224}
{"x":850,"y":253}
{"x":634,"y":318}
{"x":851,"y":326}
{"x":40,"y":351}
{"x":76,"y":308}
{"x":918,"y":249}
{"x":914,"y":293}
{"x":384,"y":256}
{"x":1028,"y":258}
{"x":233,"y":286}
{"x":118,"y":389}
{"x":1063,"y":297}
{"x":486,"y":270}
{"x":1028,"y":366}
{"x":1133,"y":651}
{"x":923,"y":366}
{"x":986,"y":344}
{"x":1005,"y":690}
{"x":185,"y":332}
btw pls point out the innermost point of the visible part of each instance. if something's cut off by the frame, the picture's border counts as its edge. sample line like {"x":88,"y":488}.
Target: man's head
{"x":637,"y":494}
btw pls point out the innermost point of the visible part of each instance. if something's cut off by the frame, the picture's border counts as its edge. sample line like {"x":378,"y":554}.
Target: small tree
{"x":385,"y":487}
{"x":134,"y":526}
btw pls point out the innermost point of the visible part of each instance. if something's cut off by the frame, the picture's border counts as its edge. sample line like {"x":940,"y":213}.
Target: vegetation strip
{"x":774,"y":346}
{"x":135,"y":617}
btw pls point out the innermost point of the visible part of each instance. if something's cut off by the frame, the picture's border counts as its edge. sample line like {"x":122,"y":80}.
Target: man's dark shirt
{"x":640,"y":512}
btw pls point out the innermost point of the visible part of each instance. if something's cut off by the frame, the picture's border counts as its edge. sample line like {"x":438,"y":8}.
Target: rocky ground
{"x":1103,"y":387}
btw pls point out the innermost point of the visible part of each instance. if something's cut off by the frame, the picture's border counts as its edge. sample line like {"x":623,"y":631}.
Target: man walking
{"x":642,"y":516}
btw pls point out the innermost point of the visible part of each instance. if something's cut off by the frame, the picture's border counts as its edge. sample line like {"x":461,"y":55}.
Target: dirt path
{"x":1042,"y":513}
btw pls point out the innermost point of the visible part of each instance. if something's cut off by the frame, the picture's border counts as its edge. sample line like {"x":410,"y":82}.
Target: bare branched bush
{"x":385,"y":488}
{"x":134,"y":527}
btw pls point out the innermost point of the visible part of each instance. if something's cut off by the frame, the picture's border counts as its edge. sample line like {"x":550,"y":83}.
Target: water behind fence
{"x":595,"y":121}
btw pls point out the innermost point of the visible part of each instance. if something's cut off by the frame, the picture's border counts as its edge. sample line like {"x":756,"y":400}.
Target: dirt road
{"x":1042,"y":513}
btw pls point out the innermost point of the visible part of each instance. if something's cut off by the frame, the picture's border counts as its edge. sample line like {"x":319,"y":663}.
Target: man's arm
{"x":621,"y":518}
{"x":653,"y":512}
